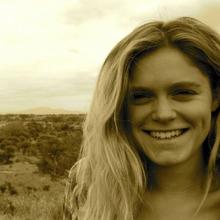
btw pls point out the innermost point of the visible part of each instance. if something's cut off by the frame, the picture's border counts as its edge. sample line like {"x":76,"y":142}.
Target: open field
{"x":28,"y":194}
{"x":32,"y":178}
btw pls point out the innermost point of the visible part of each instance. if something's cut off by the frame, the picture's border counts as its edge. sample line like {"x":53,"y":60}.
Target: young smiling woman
{"x":151,"y":137}
{"x":170,"y":112}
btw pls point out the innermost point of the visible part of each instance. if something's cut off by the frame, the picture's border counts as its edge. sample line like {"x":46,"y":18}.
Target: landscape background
{"x":51,"y":52}
{"x":36,"y":152}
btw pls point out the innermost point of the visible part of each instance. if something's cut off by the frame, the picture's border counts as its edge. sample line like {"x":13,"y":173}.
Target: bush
{"x":15,"y":129}
{"x":6,"y":154}
{"x":50,"y":149}
{"x":24,"y":145}
{"x":57,"y":154}
{"x":8,"y":188}
{"x":6,"y":207}
{"x":46,"y":188}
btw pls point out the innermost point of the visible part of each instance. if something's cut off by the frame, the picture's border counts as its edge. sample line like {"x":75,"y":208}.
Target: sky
{"x":51,"y":51}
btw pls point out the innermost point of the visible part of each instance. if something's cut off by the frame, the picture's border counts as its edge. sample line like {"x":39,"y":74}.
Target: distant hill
{"x":47,"y":111}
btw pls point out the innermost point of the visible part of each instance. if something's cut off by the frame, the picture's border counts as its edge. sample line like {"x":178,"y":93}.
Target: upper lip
{"x":163,"y":130}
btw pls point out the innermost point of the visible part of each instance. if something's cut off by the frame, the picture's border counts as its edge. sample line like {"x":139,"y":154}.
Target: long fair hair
{"x":110,"y":177}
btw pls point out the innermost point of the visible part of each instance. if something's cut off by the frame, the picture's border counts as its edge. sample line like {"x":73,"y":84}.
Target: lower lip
{"x":168,"y":139}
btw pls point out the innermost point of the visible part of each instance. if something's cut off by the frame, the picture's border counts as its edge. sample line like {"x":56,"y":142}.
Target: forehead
{"x":165,"y":66}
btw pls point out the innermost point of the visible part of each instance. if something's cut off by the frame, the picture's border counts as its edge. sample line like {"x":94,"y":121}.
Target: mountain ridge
{"x":47,"y":111}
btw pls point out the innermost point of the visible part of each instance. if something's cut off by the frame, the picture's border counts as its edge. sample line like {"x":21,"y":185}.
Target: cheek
{"x":138,"y":113}
{"x":199,"y":118}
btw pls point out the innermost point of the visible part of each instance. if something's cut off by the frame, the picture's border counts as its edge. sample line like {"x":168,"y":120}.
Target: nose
{"x":163,"y":111}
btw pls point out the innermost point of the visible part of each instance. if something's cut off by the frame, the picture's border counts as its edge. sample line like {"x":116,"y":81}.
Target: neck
{"x":187,"y":178}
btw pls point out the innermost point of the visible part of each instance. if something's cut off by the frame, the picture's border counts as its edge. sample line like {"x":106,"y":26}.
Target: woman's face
{"x":170,"y":105}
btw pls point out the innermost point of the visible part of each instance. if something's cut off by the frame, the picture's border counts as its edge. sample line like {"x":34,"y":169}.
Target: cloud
{"x":71,"y":93}
{"x":88,"y":11}
{"x":128,"y":12}
{"x":46,"y":87}
{"x":52,"y":50}
{"x":210,"y":14}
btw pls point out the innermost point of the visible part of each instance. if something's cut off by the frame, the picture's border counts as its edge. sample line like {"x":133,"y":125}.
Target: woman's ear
{"x":216,"y":99}
{"x":215,"y":104}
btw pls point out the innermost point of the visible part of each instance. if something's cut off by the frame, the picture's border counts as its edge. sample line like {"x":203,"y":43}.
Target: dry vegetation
{"x":35,"y":155}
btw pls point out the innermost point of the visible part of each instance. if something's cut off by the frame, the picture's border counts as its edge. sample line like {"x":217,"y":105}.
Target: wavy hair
{"x":110,"y":177}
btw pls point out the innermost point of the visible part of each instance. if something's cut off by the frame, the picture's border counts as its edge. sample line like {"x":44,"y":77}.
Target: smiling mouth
{"x":163,"y":135}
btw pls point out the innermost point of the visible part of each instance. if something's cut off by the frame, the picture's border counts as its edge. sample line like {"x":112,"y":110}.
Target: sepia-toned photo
{"x":110,"y":110}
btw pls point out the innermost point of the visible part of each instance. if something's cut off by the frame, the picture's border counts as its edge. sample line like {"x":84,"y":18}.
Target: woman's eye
{"x":184,"y":93}
{"x":141,"y":97}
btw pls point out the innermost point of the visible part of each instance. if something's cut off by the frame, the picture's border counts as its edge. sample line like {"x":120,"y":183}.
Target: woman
{"x":151,"y":137}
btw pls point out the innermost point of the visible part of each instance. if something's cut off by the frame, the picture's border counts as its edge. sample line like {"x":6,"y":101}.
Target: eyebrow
{"x":175,"y":85}
{"x":192,"y":85}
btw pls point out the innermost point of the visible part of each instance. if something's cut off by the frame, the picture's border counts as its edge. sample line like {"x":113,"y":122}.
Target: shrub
{"x":46,"y":188}
{"x":6,"y":154}
{"x":8,"y":188}
{"x":51,"y":150}
{"x":57,"y":154}
{"x":24,"y":145}
{"x":6,"y":206}
{"x":15,"y":129}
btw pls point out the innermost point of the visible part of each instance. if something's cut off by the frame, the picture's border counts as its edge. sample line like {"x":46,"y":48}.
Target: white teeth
{"x":166,"y":134}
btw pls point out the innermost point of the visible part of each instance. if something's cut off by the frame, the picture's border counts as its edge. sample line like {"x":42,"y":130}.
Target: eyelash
{"x":184,"y":92}
{"x":140,"y":97}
